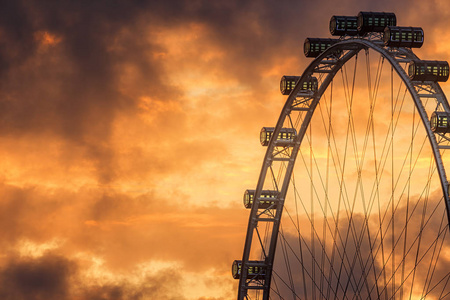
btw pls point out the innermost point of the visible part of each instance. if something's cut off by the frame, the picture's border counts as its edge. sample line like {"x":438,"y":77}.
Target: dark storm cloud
{"x":52,"y":276}
{"x":83,"y":95}
{"x":71,"y":87}
{"x":67,"y":89}
{"x":124,"y":231}
{"x":346,"y":263}
{"x":154,"y":287}
{"x":351,"y":264}
{"x":80,"y":82}
{"x":44,"y":278}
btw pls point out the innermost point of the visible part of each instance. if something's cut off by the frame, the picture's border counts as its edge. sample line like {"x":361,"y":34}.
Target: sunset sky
{"x":129,"y":131}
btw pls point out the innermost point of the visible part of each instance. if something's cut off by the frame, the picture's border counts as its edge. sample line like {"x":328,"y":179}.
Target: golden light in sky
{"x":129,"y":131}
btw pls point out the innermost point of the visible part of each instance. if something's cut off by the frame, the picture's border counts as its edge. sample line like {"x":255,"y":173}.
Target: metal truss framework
{"x":282,"y":157}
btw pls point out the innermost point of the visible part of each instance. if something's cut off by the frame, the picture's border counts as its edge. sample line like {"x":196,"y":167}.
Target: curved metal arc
{"x":267,"y":162}
{"x":344,"y":45}
{"x":353,"y":46}
{"x":299,"y":140}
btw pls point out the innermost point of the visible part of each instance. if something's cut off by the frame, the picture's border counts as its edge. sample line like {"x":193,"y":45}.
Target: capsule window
{"x":317,"y":46}
{"x":374,"y":21}
{"x":439,"y":122}
{"x":285,"y":136}
{"x":443,"y":122}
{"x":255,"y":272}
{"x":269,"y":195}
{"x":428,"y":70}
{"x":422,"y":70}
{"x":287,"y":84}
{"x":418,"y":36}
{"x":434,"y":122}
{"x":411,"y":69}
{"x":307,"y":47}
{"x":411,"y":37}
{"x":396,"y":36}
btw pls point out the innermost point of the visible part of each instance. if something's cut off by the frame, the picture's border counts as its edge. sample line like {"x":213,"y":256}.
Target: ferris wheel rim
{"x":353,"y":46}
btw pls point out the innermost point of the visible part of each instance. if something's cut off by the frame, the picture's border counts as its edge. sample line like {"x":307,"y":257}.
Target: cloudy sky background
{"x":129,"y":131}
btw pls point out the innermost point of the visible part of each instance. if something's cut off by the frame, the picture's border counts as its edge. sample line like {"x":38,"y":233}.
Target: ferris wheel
{"x":352,"y":201}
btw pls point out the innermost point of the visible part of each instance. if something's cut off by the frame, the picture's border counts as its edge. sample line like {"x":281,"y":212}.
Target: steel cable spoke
{"x":358,"y":226}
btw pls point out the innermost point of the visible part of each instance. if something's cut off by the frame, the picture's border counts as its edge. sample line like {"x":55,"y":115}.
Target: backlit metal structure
{"x":337,"y":269}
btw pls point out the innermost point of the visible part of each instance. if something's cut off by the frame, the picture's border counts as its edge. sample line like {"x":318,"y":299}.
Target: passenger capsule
{"x":411,"y":37}
{"x":285,"y":137}
{"x":439,"y":122}
{"x":375,"y":21}
{"x":256,"y":270}
{"x":428,"y":70}
{"x":344,"y":25}
{"x":288,"y":83}
{"x":314,"y":47}
{"x":267,"y":199}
